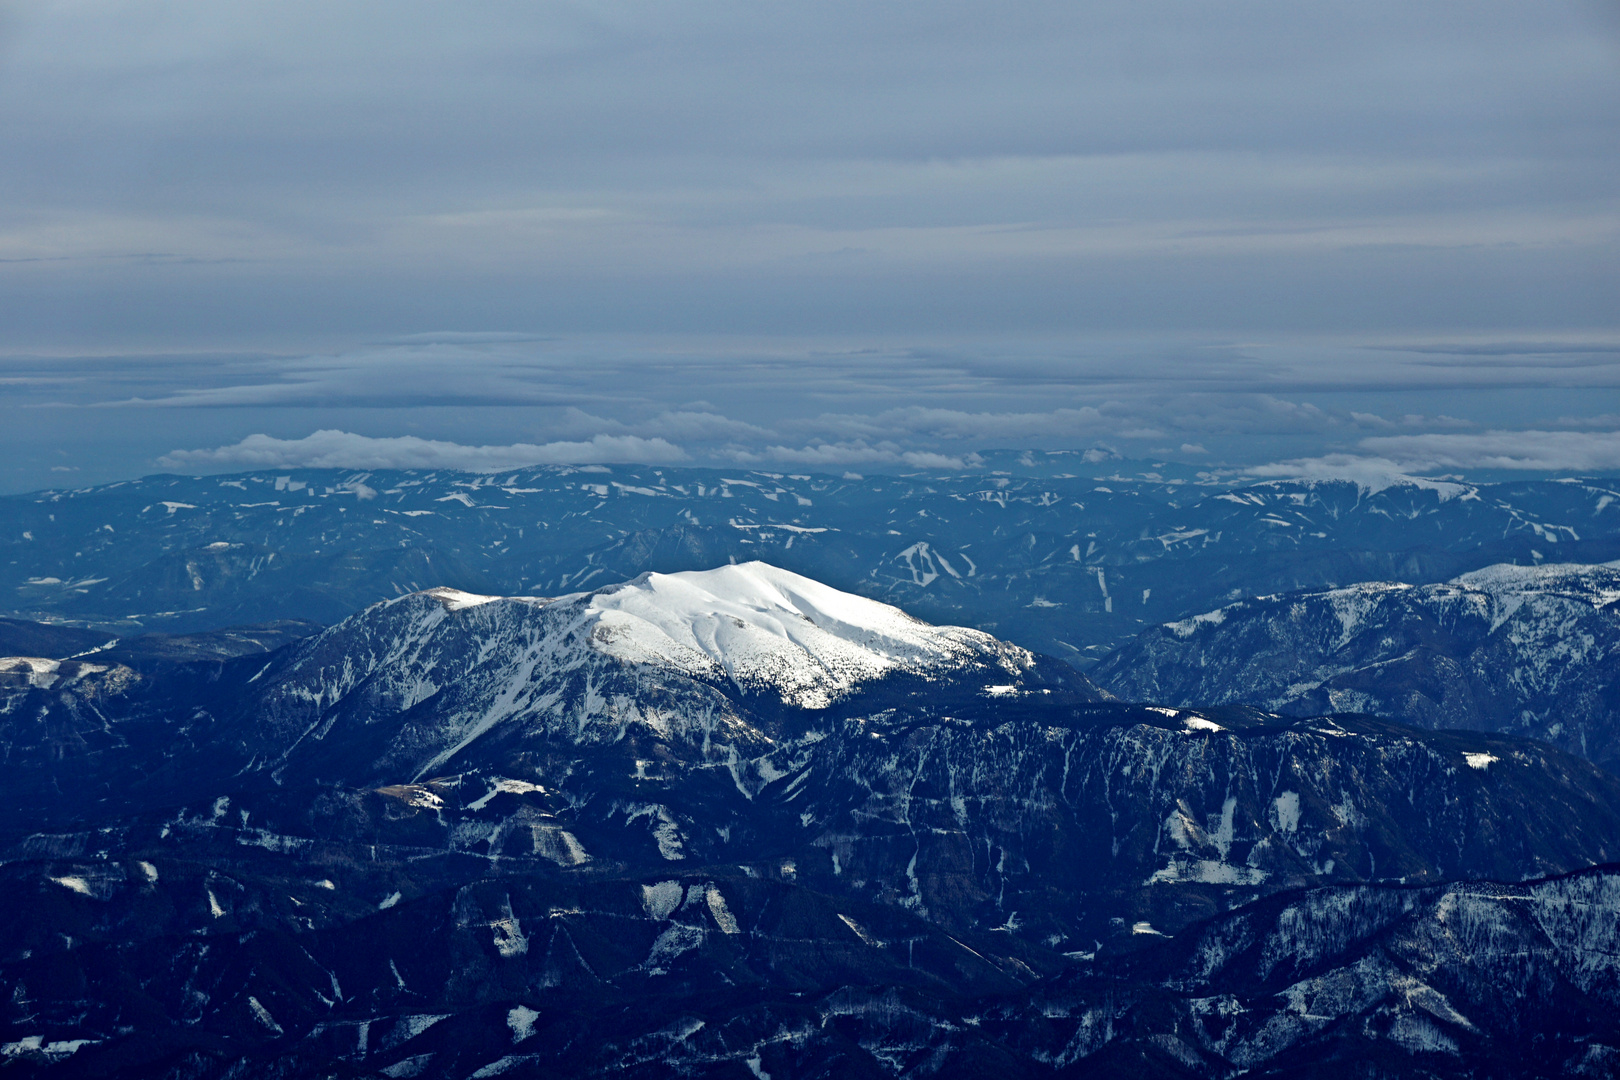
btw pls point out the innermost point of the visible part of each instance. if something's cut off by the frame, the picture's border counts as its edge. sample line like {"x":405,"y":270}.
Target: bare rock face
{"x":736,"y":822}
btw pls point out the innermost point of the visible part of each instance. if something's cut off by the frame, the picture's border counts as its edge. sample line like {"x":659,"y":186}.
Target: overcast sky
{"x":807,"y":233}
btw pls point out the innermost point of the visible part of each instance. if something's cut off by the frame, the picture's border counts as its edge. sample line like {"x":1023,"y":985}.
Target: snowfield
{"x":767,"y":629}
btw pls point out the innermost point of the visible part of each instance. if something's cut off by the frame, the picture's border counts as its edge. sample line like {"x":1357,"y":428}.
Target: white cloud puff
{"x":1397,"y":459}
{"x":333,"y":449}
{"x":1552,"y":451}
{"x":858,"y":452}
{"x":1368,"y":473}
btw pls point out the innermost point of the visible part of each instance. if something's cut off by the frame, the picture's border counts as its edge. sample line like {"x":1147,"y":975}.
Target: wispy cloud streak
{"x":331,"y":449}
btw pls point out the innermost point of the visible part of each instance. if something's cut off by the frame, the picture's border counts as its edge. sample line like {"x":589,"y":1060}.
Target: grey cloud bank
{"x":807,"y":235}
{"x":291,"y":173}
{"x":1585,"y":451}
{"x":493,"y":405}
{"x":1539,"y":451}
{"x":344,"y":450}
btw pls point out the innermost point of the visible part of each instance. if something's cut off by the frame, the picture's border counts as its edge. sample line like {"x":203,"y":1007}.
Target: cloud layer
{"x":1389,"y":461}
{"x":1397,"y":459}
{"x":830,"y":234}
{"x":192,"y":174}
{"x":493,"y":401}
{"x":1562,"y":451}
{"x":330,"y":449}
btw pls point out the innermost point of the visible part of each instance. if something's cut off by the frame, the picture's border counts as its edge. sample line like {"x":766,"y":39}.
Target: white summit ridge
{"x":765,"y":627}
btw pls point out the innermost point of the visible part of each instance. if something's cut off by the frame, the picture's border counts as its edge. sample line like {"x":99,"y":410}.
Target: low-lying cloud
{"x":1551,"y":451}
{"x":1394,"y":459}
{"x":1368,"y":473}
{"x":1382,"y":460}
{"x":332,"y":449}
{"x":857,"y":452}
{"x":795,"y":405}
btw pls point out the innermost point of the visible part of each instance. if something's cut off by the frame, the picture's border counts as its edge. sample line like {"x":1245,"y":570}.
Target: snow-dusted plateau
{"x":662,"y":773}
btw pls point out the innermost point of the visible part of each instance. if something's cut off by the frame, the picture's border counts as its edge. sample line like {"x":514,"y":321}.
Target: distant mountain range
{"x":738,"y":822}
{"x":1071,"y":564}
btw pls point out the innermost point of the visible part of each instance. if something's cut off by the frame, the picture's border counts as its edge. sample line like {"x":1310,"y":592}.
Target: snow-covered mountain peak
{"x":767,"y":628}
{"x":656,"y":654}
{"x":589,"y":662}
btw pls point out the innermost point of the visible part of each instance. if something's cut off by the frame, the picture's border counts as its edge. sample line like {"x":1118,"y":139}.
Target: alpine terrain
{"x":1533,"y":650}
{"x":736,"y":822}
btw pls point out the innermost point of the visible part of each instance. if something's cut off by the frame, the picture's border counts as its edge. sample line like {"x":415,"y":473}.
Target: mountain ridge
{"x":1531,"y":650}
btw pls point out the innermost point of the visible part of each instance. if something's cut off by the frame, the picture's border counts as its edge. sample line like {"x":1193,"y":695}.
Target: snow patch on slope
{"x":456,"y":600}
